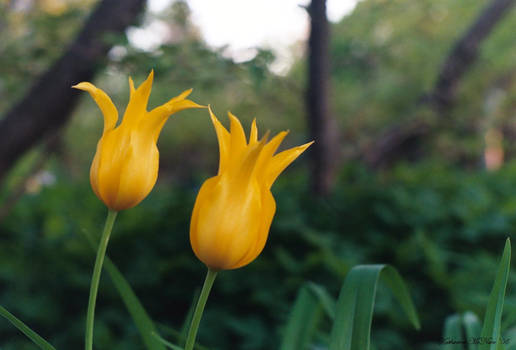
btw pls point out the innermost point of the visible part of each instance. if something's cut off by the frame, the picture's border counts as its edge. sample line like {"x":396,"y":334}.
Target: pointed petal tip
{"x":303,"y":147}
{"x":84,"y":86}
{"x":131,"y":84}
{"x":150,"y":77}
{"x":265,"y":137}
{"x":232,"y":116}
{"x":212,"y":115}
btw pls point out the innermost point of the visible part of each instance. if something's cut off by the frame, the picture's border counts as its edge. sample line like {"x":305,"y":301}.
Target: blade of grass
{"x":302,"y":321}
{"x":141,"y":318}
{"x":472,"y":328}
{"x":177,"y":335}
{"x":36,"y":338}
{"x":491,"y":329}
{"x":188,"y":319}
{"x":166,"y":342}
{"x":327,"y":302}
{"x":352,"y":327}
{"x":453,"y":336}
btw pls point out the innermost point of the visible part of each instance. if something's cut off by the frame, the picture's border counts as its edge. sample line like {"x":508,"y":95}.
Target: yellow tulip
{"x":125,"y":167}
{"x":234,"y":210}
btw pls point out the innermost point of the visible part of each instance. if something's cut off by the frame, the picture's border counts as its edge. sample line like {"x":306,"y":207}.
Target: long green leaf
{"x":491,"y":330}
{"x":354,"y":314}
{"x":188,"y":319}
{"x":166,"y":342}
{"x":42,"y":343}
{"x":141,"y":318}
{"x":327,"y":302}
{"x":302,"y":321}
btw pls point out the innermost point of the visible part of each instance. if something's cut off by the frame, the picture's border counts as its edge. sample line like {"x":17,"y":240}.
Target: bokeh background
{"x":412,"y":105}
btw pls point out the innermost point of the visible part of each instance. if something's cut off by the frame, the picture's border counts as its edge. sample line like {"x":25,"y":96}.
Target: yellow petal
{"x":253,"y":136}
{"x":137,"y":106}
{"x":131,"y":87}
{"x":249,"y":162}
{"x":224,"y":139}
{"x":238,"y":140}
{"x":282,"y":160}
{"x":154,"y":122}
{"x":105,"y":104}
{"x":268,"y":211}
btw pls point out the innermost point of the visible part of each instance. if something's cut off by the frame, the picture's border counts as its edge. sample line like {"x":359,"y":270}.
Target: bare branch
{"x":48,"y":104}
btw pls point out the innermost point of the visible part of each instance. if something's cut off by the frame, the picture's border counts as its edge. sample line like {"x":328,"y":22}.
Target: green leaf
{"x":461,"y":328}
{"x":166,"y":343}
{"x":491,"y":329}
{"x":42,"y":343}
{"x":302,"y":322}
{"x":188,"y":319}
{"x":472,"y":328}
{"x":327,"y":302}
{"x":140,"y":317}
{"x":453,"y":332}
{"x":354,"y":314}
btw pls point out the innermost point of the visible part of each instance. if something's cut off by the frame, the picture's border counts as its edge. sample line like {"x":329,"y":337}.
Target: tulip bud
{"x":234,"y":210}
{"x":125,"y":167}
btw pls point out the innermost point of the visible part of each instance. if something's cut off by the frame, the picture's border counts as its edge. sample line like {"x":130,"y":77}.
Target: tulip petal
{"x":103,"y":101}
{"x":269,"y":209}
{"x":238,"y":139}
{"x":253,"y":136}
{"x":250,"y":160}
{"x":224,"y":139}
{"x":154,"y":122}
{"x":138,"y":102}
{"x":131,"y":87}
{"x":282,"y":160}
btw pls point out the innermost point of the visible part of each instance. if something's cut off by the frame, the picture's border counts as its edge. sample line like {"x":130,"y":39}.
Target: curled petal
{"x":282,"y":160}
{"x":224,"y":139}
{"x":154,"y":122}
{"x":105,"y":104}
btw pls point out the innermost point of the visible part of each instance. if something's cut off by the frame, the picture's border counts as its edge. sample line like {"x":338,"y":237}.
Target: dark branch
{"x":464,"y":53}
{"x":321,"y":123}
{"x":393,"y":144}
{"x":48,"y":104}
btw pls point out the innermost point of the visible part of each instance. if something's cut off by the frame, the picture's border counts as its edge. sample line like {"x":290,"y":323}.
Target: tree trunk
{"x":47,"y":106}
{"x":393,"y":144}
{"x":323,"y":127}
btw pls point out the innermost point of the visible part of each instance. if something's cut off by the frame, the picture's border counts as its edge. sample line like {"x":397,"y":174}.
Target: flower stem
{"x":95,"y":279}
{"x":199,"y":308}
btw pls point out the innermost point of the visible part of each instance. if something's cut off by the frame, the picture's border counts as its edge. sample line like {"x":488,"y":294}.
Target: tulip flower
{"x":125,"y":167}
{"x":234,"y":210}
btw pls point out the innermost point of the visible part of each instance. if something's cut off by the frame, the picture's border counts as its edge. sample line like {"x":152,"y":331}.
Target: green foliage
{"x":491,"y":328}
{"x":304,"y":317}
{"x":439,"y":226}
{"x":40,"y":342}
{"x":354,"y":312}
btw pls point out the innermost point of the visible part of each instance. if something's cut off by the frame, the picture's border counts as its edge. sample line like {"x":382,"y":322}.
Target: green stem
{"x":201,"y":303}
{"x":95,"y":279}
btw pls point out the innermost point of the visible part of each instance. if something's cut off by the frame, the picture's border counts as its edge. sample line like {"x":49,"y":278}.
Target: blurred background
{"x":412,"y":105}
